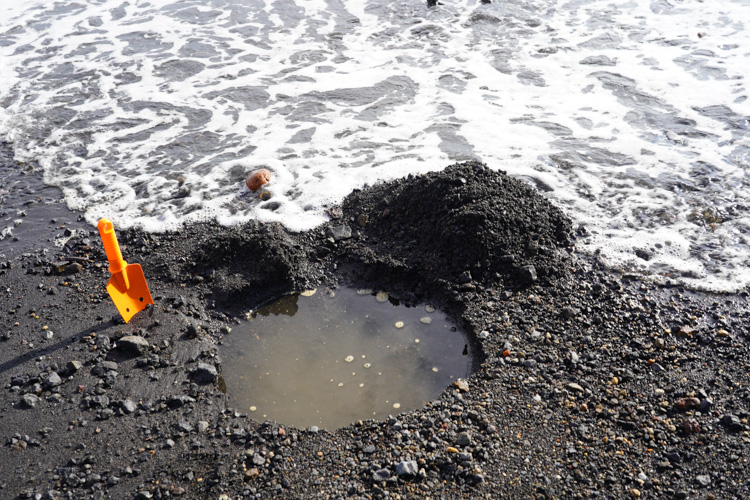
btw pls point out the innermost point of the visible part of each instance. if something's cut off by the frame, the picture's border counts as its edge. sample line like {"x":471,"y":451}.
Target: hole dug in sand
{"x":335,"y":356}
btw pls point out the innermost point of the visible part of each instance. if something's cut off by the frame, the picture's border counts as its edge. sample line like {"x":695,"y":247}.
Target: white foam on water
{"x":631,"y":115}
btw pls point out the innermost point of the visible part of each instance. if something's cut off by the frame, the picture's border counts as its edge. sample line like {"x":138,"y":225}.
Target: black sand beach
{"x":589,"y":383}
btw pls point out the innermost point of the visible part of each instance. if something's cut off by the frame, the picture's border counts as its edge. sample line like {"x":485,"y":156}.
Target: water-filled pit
{"x":328,"y":358}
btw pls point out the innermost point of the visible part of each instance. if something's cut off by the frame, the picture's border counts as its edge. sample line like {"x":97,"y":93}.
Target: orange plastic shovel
{"x":127,"y":286}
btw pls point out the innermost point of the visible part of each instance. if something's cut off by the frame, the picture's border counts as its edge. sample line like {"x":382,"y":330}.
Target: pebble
{"x":381,"y":296}
{"x":685,"y":331}
{"x":29,"y":400}
{"x":179,"y":401}
{"x":349,"y":359}
{"x":425,"y":320}
{"x":570,"y":312}
{"x":52,"y":380}
{"x":341,"y":232}
{"x":575,"y":387}
{"x":399,"y":324}
{"x":265,"y":195}
{"x":204,"y":373}
{"x":407,"y":468}
{"x":703,"y":480}
{"x":134,"y":344}
{"x":103,"y":368}
{"x":464,"y":439}
{"x":381,"y":475}
{"x":527,"y":274}
{"x":128,"y":406}
{"x":706,"y":404}
{"x":733,"y":422}
{"x":462,"y":385}
{"x":684,"y":404}
{"x":202,"y":426}
{"x":690,"y":426}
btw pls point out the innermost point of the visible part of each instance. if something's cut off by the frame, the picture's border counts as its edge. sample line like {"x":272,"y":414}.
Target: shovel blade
{"x":132,"y":299}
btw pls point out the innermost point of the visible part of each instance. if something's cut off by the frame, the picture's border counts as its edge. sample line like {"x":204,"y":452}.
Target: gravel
{"x":587,"y":382}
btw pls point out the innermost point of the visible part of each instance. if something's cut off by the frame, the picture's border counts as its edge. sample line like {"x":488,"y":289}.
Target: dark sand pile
{"x":466,"y":223}
{"x":588,"y":384}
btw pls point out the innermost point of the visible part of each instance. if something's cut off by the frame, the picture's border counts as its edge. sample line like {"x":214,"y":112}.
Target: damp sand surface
{"x":334,"y":357}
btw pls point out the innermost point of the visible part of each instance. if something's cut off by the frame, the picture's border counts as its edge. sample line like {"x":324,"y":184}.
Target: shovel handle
{"x":107,"y":231}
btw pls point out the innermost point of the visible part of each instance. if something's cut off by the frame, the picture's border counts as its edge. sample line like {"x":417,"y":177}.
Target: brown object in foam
{"x":258,"y":179}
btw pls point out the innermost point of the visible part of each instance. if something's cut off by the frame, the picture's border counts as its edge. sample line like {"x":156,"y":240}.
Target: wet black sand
{"x":589,"y":384}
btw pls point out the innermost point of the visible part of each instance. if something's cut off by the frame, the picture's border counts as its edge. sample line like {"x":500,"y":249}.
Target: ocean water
{"x":631,"y":115}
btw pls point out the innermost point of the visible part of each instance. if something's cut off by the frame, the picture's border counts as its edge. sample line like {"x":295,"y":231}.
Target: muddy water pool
{"x":331,"y":357}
